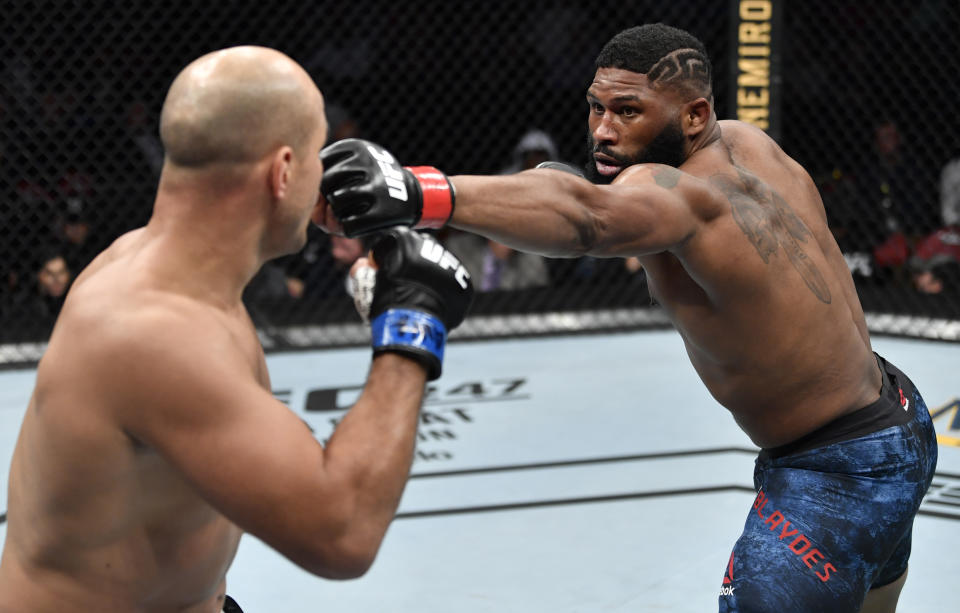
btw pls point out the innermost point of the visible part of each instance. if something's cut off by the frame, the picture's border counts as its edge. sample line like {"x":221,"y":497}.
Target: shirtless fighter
{"x":152,"y":440}
{"x":733,"y":236}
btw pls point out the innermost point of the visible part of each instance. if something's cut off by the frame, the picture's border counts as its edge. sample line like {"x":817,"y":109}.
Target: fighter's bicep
{"x":639,"y":219}
{"x":204,"y":413}
{"x":251,"y":455}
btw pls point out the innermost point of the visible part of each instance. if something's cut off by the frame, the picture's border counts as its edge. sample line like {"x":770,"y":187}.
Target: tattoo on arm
{"x":666,"y":176}
{"x":769,"y":222}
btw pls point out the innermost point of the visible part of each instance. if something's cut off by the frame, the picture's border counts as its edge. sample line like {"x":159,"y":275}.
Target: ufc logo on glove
{"x":392,"y":173}
{"x":434,"y":252}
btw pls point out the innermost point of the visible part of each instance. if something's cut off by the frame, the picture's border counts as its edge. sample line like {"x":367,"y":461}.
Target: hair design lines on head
{"x":678,"y":66}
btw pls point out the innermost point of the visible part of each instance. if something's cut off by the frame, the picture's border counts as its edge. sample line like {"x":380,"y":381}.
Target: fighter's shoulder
{"x":736,"y":130}
{"x":113,"y":252}
{"x":686,"y":182}
{"x":662,"y":175}
{"x":746,"y":140}
{"x":154,"y":326}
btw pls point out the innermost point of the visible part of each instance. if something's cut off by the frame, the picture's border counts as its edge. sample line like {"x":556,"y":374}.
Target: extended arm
{"x":649,"y":208}
{"x":557,"y":214}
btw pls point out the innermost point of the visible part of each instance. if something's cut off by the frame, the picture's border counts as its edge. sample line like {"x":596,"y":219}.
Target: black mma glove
{"x":562,"y":166}
{"x":420,"y":293}
{"x":368,"y":190}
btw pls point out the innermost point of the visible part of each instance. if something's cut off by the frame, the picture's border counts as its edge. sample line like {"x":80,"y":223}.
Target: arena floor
{"x":590,"y":473}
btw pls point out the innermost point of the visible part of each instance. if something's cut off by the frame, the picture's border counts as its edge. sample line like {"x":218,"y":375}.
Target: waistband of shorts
{"x":884,"y":412}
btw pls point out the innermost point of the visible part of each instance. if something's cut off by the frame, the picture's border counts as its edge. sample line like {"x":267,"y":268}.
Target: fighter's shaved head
{"x":237,"y":105}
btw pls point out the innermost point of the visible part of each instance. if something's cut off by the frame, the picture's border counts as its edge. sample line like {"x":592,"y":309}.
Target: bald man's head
{"x":237,"y":105}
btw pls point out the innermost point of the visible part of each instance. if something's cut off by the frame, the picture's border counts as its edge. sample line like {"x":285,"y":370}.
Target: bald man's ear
{"x":281,"y":169}
{"x":696,"y":116}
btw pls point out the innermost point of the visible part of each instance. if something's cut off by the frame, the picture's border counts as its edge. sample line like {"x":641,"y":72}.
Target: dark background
{"x":456,"y":85}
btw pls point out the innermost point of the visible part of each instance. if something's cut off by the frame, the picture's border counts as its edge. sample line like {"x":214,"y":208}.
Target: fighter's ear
{"x":280,"y":168}
{"x":696,"y":115}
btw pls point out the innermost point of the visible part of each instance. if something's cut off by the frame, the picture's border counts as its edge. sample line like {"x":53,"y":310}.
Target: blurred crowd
{"x":56,"y":216}
{"x":897,"y":220}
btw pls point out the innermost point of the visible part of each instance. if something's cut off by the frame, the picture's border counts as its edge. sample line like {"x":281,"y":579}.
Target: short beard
{"x":666,"y":148}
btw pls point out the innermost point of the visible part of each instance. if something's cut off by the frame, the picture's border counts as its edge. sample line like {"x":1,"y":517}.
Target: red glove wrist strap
{"x":437,"y":194}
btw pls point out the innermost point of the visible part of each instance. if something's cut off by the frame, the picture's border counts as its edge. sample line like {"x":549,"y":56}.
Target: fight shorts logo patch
{"x":904,"y":402}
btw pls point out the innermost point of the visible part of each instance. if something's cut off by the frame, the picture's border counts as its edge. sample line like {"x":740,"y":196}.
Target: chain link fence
{"x":865,"y":103}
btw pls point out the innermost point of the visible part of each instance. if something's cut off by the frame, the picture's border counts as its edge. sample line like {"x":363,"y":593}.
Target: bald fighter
{"x":733,"y":236}
{"x":152,"y":440}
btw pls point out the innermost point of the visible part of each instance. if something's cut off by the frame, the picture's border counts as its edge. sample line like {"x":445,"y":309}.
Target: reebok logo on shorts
{"x":727,"y":589}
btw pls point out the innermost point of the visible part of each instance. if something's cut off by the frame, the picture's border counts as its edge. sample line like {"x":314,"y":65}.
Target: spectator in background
{"x":893,"y":188}
{"x":950,"y":192}
{"x":72,"y":221}
{"x":53,"y":280}
{"x":320,"y":269}
{"x":534,"y":146}
{"x":36,"y":304}
{"x":935,"y":264}
{"x":290,"y":289}
{"x":492,"y":265}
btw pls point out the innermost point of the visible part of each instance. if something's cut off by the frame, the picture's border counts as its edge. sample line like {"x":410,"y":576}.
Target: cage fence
{"x":854,"y":91}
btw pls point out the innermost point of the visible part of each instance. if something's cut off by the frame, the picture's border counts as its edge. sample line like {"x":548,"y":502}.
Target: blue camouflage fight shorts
{"x":834,"y":511}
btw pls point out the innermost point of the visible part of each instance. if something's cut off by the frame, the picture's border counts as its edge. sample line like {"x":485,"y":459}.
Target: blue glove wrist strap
{"x":415,"y":329}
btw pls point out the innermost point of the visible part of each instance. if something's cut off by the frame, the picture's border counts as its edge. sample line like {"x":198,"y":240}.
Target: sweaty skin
{"x":734,"y":242}
{"x":152,"y":440}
